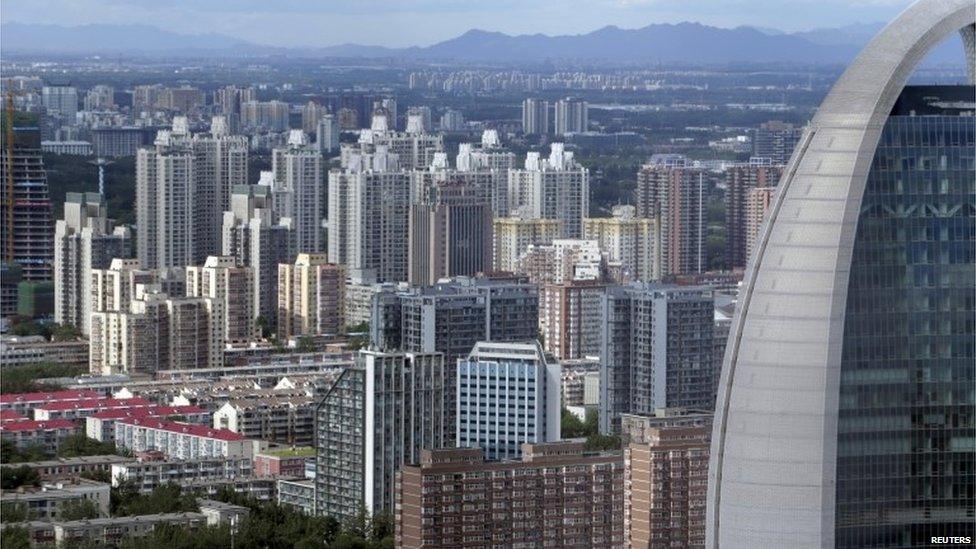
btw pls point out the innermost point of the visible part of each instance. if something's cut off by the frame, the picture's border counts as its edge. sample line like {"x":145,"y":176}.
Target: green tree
{"x":64,"y":332}
{"x":14,"y":537}
{"x":15,"y":477}
{"x":79,"y":445}
{"x":168,"y":498}
{"x":14,"y":512}
{"x":598,"y":442}
{"x":306,"y":344}
{"x":79,"y":510}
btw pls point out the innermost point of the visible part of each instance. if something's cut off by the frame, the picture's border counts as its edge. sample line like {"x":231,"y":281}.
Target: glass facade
{"x":905,"y":452}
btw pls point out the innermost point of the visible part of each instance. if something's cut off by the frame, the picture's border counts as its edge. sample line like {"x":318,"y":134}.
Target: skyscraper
{"x":84,"y":240}
{"x":656,"y":350}
{"x":632,"y":245}
{"x":229,"y":288}
{"x":376,"y":418}
{"x":327,"y":134}
{"x":514,"y":235}
{"x":674,"y":193}
{"x":27,"y":232}
{"x":299,"y":191}
{"x":557,"y":187}
{"x":489,"y":158}
{"x":570,"y":314}
{"x":775,"y":140}
{"x":450,"y":232}
{"x":369,"y":219}
{"x":255,"y":236}
{"x":183,"y":186}
{"x":740,"y":181}
{"x":535,"y":117}
{"x":310,"y":296}
{"x":572,"y":116}
{"x":507,"y":394}
{"x":61,"y":102}
{"x":845,"y":411}
{"x":758,"y":201}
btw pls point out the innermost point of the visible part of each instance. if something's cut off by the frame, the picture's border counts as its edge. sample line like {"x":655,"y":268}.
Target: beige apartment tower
{"x":310,"y":296}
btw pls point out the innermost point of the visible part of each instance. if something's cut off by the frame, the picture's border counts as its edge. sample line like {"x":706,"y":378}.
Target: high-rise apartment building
{"x":419,"y":119}
{"x":507,"y":394}
{"x":557,"y":495}
{"x":183,"y":186}
{"x":674,"y":193}
{"x":114,"y":286}
{"x":758,"y":201}
{"x":312,"y":113}
{"x":572,"y":116}
{"x":413,"y":149}
{"x":154,"y":332}
{"x":514,"y":235}
{"x":562,"y":261}
{"x":656,"y":350}
{"x":450,"y":232}
{"x":493,"y":160}
{"x":61,"y":102}
{"x":451,"y":316}
{"x":369,"y":219}
{"x":299,"y":191}
{"x":376,"y":418}
{"x":632,"y":245}
{"x":569,"y":318}
{"x":84,"y":240}
{"x":184,"y":99}
{"x":229,"y":287}
{"x":535,"y":117}
{"x":228,"y":101}
{"x":27,"y":231}
{"x":851,"y":352}
{"x":311,"y":297}
{"x":666,"y":485}
{"x":557,"y":187}
{"x":775,"y":140}
{"x":740,"y":181}
{"x":265,"y":115}
{"x":452,"y":121}
{"x":255,"y":236}
{"x":327,"y":134}
{"x":100,"y":98}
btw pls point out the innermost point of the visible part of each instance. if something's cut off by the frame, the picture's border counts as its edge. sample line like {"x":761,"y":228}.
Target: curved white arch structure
{"x":773,"y":457}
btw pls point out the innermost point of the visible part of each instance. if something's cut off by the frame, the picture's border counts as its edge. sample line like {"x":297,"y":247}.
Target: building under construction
{"x":27,"y":228}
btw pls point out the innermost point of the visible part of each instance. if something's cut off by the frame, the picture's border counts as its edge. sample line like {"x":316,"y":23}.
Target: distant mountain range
{"x":665,"y":43}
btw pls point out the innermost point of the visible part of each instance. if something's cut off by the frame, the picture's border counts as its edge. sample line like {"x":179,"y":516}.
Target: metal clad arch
{"x":773,"y":455}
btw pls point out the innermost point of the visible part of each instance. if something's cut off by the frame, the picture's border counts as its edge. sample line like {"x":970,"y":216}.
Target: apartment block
{"x":311,"y":297}
{"x":557,"y":495}
{"x":180,"y":440}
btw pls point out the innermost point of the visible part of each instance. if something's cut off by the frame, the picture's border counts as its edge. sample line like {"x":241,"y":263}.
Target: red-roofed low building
{"x":6,"y":416}
{"x":180,"y":440}
{"x":24,"y":403}
{"x":81,"y":409}
{"x":47,"y":435}
{"x":101,"y":425}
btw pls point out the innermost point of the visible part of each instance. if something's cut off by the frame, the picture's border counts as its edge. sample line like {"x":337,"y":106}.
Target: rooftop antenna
{"x":101,"y":162}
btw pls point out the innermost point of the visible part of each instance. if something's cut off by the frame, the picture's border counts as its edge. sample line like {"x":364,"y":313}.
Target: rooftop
{"x":185,"y":428}
{"x":301,"y":451}
{"x":49,"y":396}
{"x":89,"y":404}
{"x":32,"y":425}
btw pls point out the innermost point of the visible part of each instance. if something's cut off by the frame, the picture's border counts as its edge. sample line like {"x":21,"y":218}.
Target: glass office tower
{"x":905,"y":418}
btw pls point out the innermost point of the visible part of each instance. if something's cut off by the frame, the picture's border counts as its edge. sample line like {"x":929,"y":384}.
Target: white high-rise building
{"x":557,"y":187}
{"x":572,"y":116}
{"x":310,"y":296}
{"x":84,"y":240}
{"x":413,"y":149}
{"x":299,"y":191}
{"x":507,"y":394}
{"x":100,"y":98}
{"x":255,"y":236}
{"x":327,"y":134}
{"x":491,"y":158}
{"x":183,"y":186}
{"x":369,"y":217}
{"x":61,"y":102}
{"x":513,"y":236}
{"x":535,"y":117}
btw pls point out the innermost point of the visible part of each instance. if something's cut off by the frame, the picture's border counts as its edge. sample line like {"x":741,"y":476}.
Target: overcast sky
{"x":423,"y":22}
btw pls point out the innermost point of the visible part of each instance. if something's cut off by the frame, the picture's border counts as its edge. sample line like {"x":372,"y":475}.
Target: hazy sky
{"x":423,"y":22}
